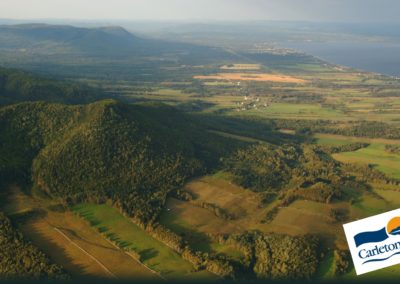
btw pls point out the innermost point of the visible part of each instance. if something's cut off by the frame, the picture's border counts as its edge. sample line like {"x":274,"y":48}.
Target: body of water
{"x":382,"y":57}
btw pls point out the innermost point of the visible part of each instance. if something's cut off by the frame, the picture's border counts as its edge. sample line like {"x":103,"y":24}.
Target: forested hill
{"x":133,"y":155}
{"x":18,"y":86}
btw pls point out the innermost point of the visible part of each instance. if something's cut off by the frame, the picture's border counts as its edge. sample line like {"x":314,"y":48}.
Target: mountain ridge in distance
{"x":109,"y":40}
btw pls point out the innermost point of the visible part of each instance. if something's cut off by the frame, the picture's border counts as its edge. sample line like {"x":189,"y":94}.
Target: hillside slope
{"x":133,"y":155}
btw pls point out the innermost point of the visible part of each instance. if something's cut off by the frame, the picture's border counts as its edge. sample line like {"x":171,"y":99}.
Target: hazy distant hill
{"x":40,"y":38}
{"x":63,"y":49}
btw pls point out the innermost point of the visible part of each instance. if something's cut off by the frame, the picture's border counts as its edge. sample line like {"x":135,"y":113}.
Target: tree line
{"x":19,"y":259}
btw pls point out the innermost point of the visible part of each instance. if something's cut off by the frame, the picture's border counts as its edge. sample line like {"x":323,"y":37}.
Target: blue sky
{"x":203,"y":10}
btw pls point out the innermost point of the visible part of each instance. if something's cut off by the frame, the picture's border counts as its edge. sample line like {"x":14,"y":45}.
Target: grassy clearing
{"x":228,"y":250}
{"x":195,"y":223}
{"x":236,"y":200}
{"x":391,"y":196}
{"x":369,"y":205}
{"x":332,"y":139}
{"x":154,"y":254}
{"x":308,"y":217}
{"x":375,"y":155}
{"x":325,"y":269}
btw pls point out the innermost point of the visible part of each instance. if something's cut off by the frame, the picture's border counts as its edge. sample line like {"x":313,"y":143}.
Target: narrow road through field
{"x":85,"y":252}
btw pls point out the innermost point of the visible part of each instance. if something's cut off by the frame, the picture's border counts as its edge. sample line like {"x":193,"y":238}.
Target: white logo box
{"x":378,"y":253}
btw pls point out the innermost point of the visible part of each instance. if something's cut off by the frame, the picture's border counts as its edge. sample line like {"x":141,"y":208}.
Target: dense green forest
{"x":20,"y":260}
{"x":305,"y":172}
{"x":274,"y":256}
{"x":134,"y":155}
{"x":18,"y":86}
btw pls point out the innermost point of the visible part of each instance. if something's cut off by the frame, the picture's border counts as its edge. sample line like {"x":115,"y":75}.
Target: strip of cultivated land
{"x":70,"y":241}
{"x":154,"y":254}
{"x":257,"y":77}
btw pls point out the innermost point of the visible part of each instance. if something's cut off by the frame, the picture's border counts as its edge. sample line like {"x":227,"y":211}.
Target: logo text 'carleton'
{"x":374,"y":249}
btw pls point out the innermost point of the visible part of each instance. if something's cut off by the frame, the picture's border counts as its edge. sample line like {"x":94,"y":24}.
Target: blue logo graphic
{"x":371,"y":237}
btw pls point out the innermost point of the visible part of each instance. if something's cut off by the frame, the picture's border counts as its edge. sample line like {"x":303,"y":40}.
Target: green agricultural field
{"x":374,"y":155}
{"x":154,"y":254}
{"x":331,"y":140}
{"x":330,"y":92}
{"x":369,"y":205}
{"x":294,"y":111}
{"x":392,"y":196}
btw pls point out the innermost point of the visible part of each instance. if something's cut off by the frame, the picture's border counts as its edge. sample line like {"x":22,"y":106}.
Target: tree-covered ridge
{"x":18,"y":86}
{"x":133,"y":155}
{"x":25,"y":129}
{"x":292,"y":172}
{"x":20,"y":259}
